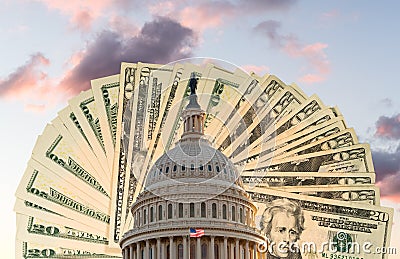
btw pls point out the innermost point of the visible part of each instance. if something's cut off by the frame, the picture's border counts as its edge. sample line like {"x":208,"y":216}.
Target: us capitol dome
{"x":193,"y":186}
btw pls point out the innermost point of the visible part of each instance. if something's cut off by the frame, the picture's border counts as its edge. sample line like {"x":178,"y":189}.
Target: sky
{"x":346,"y":52}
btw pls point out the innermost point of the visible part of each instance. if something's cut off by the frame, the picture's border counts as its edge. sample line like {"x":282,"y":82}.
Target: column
{"x":247,"y":250}
{"x":171,"y":247}
{"x":153,"y":251}
{"x":237,"y":249}
{"x":232,"y":250}
{"x":254,"y":250}
{"x":138,"y":250}
{"x":146,"y":251}
{"x":158,"y":248}
{"x":131,"y":251}
{"x":124,"y":253}
{"x":225,"y":253}
{"x":185,"y":250}
{"x":198,"y":248}
{"x":212,"y":252}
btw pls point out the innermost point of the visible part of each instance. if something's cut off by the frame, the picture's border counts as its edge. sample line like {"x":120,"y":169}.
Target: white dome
{"x":193,"y":163}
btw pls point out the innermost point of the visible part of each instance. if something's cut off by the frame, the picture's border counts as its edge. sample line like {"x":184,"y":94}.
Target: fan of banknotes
{"x":89,"y":164}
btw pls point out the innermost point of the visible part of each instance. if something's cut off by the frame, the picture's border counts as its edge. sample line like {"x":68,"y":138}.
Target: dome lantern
{"x":193,"y":115}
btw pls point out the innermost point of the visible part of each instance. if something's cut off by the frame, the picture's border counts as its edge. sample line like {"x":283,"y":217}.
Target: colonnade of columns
{"x":180,"y":248}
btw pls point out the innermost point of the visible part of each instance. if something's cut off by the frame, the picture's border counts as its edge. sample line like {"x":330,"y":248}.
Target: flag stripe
{"x":196,"y":232}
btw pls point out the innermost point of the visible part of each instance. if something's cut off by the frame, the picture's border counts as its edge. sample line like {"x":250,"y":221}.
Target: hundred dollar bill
{"x":105,"y":91}
{"x":53,"y":195}
{"x":60,"y":155}
{"x":310,"y":134}
{"x":119,"y":173}
{"x":85,"y":109}
{"x":71,"y":122}
{"x":322,"y":228}
{"x":356,"y":158}
{"x":281,"y":179}
{"x":277,"y":107}
{"x":368,"y":194}
{"x":31,"y":229}
{"x":36,"y":249}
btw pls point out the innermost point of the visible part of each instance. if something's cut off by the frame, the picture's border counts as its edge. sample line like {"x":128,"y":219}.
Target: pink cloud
{"x":82,"y":20}
{"x":125,"y":28}
{"x":31,"y":85}
{"x":311,"y":78}
{"x":388,"y":127}
{"x":331,"y":14}
{"x":314,"y":54}
{"x":81,"y":13}
{"x":202,"y":15}
{"x":390,"y":187}
{"x":36,"y":108}
{"x":206,"y":15}
{"x":159,"y":41}
{"x":260,"y":70}
{"x":27,"y":79}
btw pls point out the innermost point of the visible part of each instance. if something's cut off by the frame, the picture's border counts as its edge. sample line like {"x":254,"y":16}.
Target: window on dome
{"x":201,"y":167}
{"x":183,"y":167}
{"x":167,"y":170}
{"x":192,"y":251}
{"x":180,"y":251}
{"x":209,"y":168}
{"x":216,"y":251}
{"x":191,"y":210}
{"x":169,"y":211}
{"x":175,"y":167}
{"x":144,"y":216}
{"x":217,"y":168}
{"x":233,"y":213}
{"x":204,"y":250}
{"x":214,"y":210}
{"x":151,"y":214}
{"x":224,"y":211}
{"x":138,"y":218}
{"x":192,"y":167}
{"x":224,"y":170}
{"x":167,"y":250}
{"x":159,"y":212}
{"x":180,"y":214}
{"x":160,"y":171}
{"x":203,"y":210}
{"x":241,"y":215}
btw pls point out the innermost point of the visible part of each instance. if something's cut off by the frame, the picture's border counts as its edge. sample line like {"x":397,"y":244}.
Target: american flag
{"x":196,"y":232}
